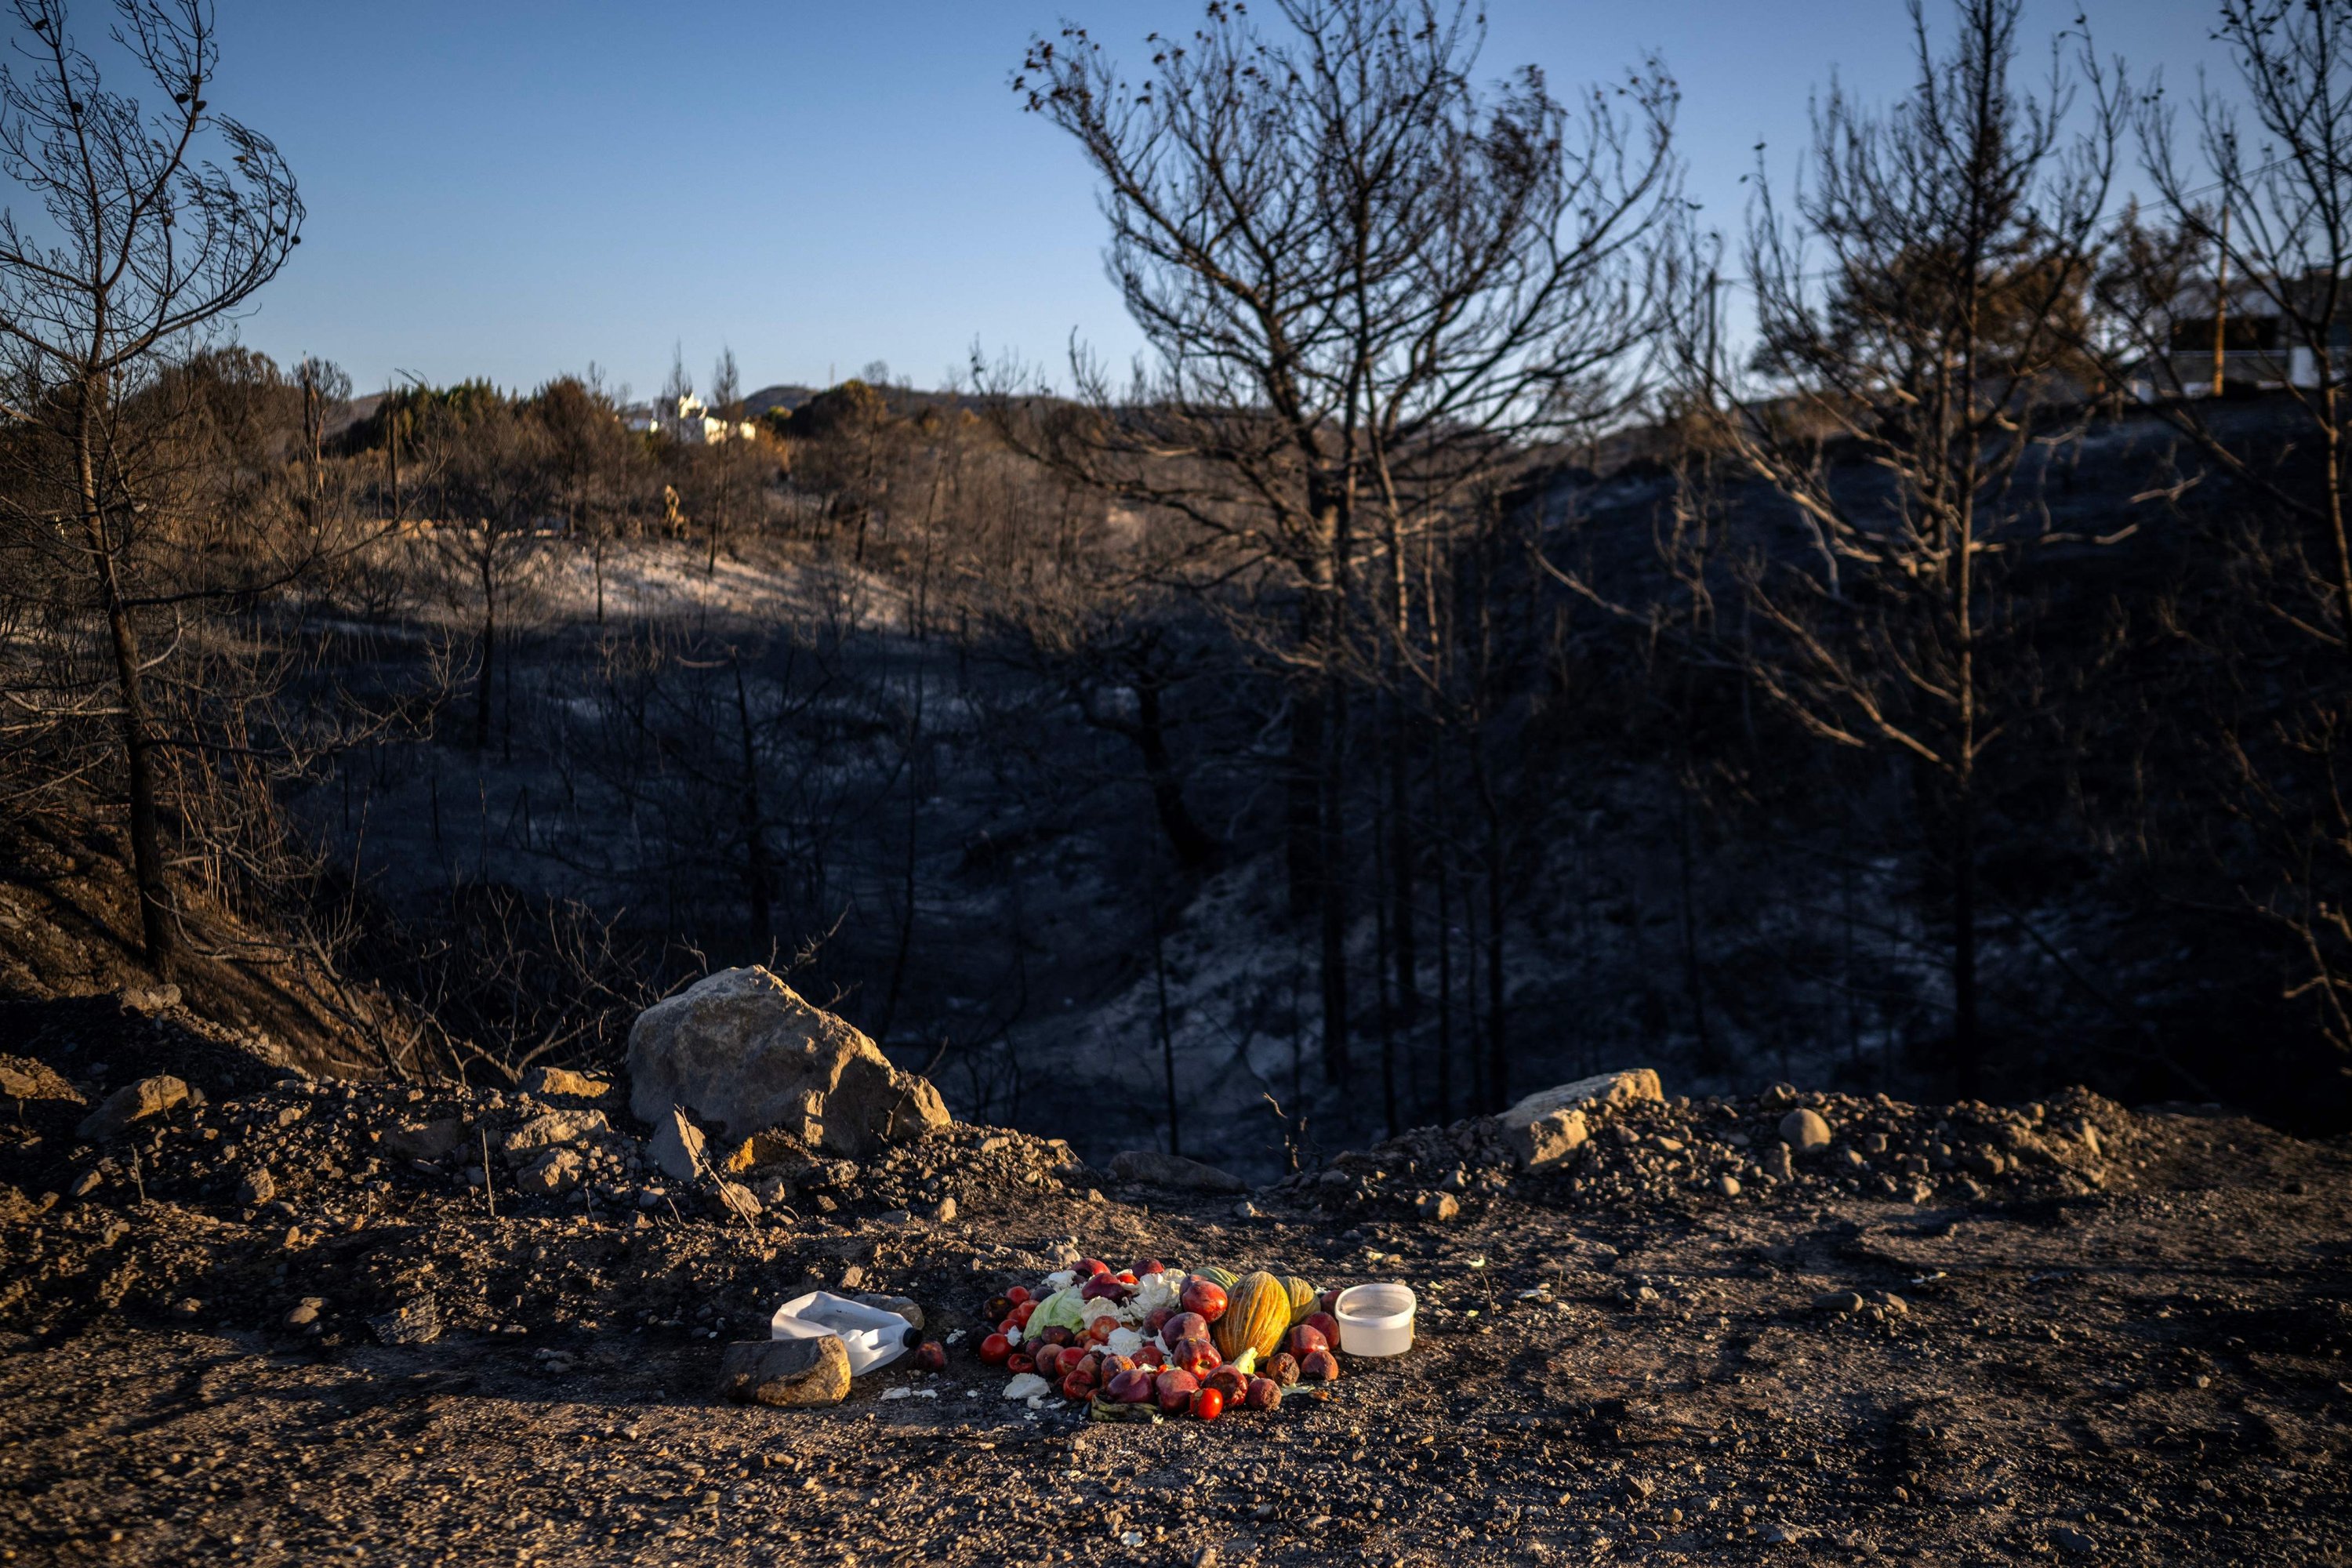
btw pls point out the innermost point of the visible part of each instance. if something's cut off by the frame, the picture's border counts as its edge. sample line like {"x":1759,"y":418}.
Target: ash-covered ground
{"x":271,"y":1324}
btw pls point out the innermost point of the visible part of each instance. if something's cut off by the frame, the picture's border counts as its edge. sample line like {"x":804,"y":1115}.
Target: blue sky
{"x":514,"y":188}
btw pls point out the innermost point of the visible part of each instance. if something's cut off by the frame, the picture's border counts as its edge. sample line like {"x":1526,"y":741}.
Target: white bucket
{"x":872,"y":1337}
{"x":1375,"y":1320}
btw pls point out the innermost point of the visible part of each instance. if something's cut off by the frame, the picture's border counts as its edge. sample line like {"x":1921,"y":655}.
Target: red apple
{"x":1205,"y":1297}
{"x":1174,"y":1390}
{"x":1263,"y":1394}
{"x":931,"y":1356}
{"x":1283,"y":1368}
{"x":1056,"y":1335}
{"x":994,"y":1349}
{"x":1049,"y":1362}
{"x":1230,"y":1381}
{"x":1184,"y":1326}
{"x":1321,"y":1366}
{"x":1208,"y":1405}
{"x":1089,"y":1267}
{"x":1198,"y":1357}
{"x":1106,"y":1287}
{"x":1112,"y":1365}
{"x":1151,"y":1265}
{"x":1323,"y":1323}
{"x":1133,"y":1387}
{"x":1157,"y":1319}
{"x":1305,"y":1339}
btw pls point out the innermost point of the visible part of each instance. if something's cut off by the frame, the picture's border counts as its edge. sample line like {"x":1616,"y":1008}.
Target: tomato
{"x":1101,"y":1331}
{"x":1020,"y":1360}
{"x":1018,"y":1294}
{"x":1208,"y":1404}
{"x":996,"y":1349}
{"x":1023,"y":1312}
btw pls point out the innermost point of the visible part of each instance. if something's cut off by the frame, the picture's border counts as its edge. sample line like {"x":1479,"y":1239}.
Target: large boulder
{"x":741,"y":1051}
{"x":1547,"y":1126}
{"x":785,"y":1373}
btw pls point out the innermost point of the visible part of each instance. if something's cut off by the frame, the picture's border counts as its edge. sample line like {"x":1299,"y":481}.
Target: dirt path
{"x":2164,"y":1376}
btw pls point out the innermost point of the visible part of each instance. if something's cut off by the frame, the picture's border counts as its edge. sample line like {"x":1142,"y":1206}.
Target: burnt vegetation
{"x":1500,"y":629}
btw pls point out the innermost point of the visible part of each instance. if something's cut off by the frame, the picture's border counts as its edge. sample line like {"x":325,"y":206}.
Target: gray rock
{"x":677,"y":1147}
{"x":2072,"y":1542}
{"x":1623,"y":1087}
{"x":555,"y":1171}
{"x":742,"y":1050}
{"x":424,"y":1140}
{"x":1439,"y":1206}
{"x":1547,"y":1126}
{"x":305,"y":1311}
{"x":134,"y":1102}
{"x":1838,"y":1303}
{"x":414,"y":1323}
{"x":1728,"y":1185}
{"x":1154,"y":1169}
{"x":739,"y":1200}
{"x":565,"y":1082}
{"x":1779,"y":1097}
{"x":943,"y":1212}
{"x":550,"y":1130}
{"x":258,"y":1188}
{"x":149,"y":998}
{"x":787,"y":1373}
{"x":1804,"y":1131}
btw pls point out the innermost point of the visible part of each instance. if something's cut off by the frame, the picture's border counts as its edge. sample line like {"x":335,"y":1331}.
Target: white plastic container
{"x":872,"y":1337}
{"x":1375,"y":1320}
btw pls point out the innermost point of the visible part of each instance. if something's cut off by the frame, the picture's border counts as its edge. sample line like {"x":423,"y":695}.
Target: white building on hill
{"x":689,"y":421}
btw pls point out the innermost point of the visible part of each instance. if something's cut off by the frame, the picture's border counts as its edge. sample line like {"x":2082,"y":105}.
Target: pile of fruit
{"x":1147,"y":1342}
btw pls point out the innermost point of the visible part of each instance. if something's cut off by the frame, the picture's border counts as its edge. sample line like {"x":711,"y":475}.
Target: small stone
{"x":786,"y":1374}
{"x":258,"y":1188}
{"x":943,"y":1212}
{"x":1728,"y":1185}
{"x":2091,"y":1136}
{"x":1779,"y":1534}
{"x":1779,"y":1097}
{"x":550,"y":1130}
{"x":1838,"y":1303}
{"x":1893,"y":1303}
{"x":555,"y":1171}
{"x":305,"y":1311}
{"x":1774,"y":1162}
{"x":853,"y":1276}
{"x":677,"y":1145}
{"x":739,"y":1200}
{"x":565,"y":1082}
{"x":1441,"y":1207}
{"x":22,"y":1078}
{"x":88,"y":1181}
{"x":134,"y":1102}
{"x":414,"y":1323}
{"x":1246,"y":1210}
{"x":2072,"y":1541}
{"x":1803,"y":1131}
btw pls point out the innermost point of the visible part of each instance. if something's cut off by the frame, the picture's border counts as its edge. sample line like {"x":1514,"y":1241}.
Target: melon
{"x":1302,"y":1296}
{"x":1257,"y":1314}
{"x":1224,"y":1277}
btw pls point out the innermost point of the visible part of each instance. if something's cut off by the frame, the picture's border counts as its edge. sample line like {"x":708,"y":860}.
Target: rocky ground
{"x":287,"y":1320}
